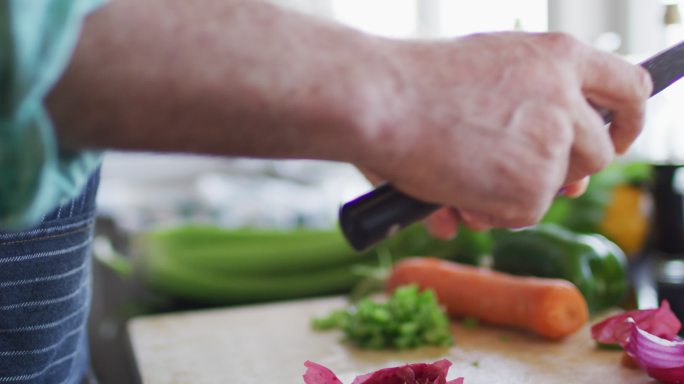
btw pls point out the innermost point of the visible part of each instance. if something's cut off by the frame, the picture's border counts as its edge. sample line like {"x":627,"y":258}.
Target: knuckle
{"x":531,"y":207}
{"x":593,"y":168}
{"x":557,"y":149}
{"x":645,"y":82}
{"x":548,"y":133}
{"x":559,"y":132}
{"x":524,"y":216}
{"x":533,"y":213}
{"x":602,"y":159}
{"x":562,"y":42}
{"x":597,"y":161}
{"x":527,"y":203}
{"x":587,"y":169}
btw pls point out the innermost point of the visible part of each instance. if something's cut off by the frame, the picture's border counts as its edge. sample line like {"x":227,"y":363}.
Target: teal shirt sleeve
{"x":37,"y":39}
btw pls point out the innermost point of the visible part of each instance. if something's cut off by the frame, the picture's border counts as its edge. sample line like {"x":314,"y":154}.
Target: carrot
{"x":552,"y":308}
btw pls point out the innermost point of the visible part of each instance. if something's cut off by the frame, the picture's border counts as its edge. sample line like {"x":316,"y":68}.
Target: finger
{"x":443,"y":224}
{"x":592,"y":148}
{"x":475,"y":221}
{"x":612,"y":83}
{"x":576,"y":189}
{"x":626,"y":127}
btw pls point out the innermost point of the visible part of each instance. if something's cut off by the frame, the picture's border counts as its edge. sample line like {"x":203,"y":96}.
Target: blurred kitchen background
{"x":141,"y":192}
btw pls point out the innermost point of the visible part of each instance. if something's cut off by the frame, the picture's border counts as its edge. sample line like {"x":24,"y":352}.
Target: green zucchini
{"x":207,"y":264}
{"x":248,"y":252}
{"x":181,"y":281}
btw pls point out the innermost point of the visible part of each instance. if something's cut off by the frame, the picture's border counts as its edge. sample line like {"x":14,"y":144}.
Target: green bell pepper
{"x":468,"y":247}
{"x":596,"y":265}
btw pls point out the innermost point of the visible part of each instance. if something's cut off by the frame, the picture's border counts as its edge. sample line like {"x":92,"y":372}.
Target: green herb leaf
{"x":610,"y":347}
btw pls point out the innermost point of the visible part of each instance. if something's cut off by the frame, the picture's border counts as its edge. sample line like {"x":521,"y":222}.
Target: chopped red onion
{"x":662,"y":359}
{"x":318,"y":374}
{"x":419,"y":373}
{"x":650,"y":338}
{"x":660,"y":322}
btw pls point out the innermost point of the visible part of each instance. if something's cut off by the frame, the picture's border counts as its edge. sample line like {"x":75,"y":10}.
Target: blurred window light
{"x":462,"y":17}
{"x":403,"y":18}
{"x":394,"y":18}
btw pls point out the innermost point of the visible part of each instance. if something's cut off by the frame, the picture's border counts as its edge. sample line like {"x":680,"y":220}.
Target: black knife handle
{"x":380,"y":213}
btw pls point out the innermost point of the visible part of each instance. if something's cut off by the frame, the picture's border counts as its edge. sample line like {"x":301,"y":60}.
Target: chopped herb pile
{"x":408,"y":319}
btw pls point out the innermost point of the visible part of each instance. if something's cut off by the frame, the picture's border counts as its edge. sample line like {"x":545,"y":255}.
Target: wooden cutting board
{"x":269,"y":343}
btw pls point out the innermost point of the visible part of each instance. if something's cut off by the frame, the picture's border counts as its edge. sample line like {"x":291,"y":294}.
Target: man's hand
{"x":498,"y":124}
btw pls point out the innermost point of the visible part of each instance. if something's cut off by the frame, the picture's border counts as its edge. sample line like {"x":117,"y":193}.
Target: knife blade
{"x":385,"y":210}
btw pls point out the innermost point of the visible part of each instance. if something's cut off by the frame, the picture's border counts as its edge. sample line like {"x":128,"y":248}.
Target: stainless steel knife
{"x":385,"y":210}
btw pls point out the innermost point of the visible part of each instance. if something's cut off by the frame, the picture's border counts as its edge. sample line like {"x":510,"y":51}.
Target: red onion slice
{"x":662,"y":359}
{"x":418,"y":373}
{"x":318,"y":374}
{"x":660,"y":322}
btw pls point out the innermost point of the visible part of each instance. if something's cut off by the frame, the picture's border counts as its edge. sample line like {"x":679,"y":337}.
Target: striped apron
{"x":45,"y":294}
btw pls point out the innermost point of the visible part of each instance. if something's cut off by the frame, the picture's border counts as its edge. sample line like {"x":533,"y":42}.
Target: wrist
{"x":386,"y":119}
{"x":376,"y":103}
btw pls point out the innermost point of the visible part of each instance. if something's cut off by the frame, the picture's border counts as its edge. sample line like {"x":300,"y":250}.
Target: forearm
{"x":231,"y":77}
